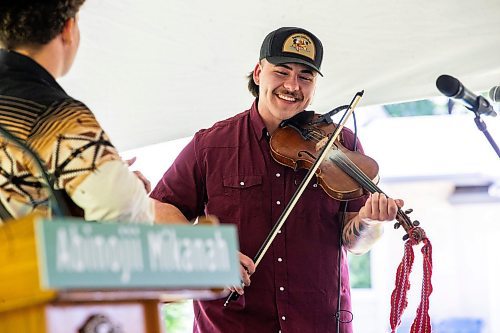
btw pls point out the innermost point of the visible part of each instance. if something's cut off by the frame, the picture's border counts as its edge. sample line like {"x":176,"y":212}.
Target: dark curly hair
{"x":34,"y":22}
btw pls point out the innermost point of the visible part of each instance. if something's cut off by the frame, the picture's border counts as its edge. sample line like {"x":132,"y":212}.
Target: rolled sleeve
{"x":114,"y":193}
{"x":182,"y":185}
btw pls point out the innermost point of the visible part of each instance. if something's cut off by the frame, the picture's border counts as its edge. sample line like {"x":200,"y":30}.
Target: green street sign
{"x":74,"y":254}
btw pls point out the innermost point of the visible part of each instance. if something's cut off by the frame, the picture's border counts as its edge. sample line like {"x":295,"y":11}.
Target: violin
{"x":297,"y":142}
{"x":344,"y":175}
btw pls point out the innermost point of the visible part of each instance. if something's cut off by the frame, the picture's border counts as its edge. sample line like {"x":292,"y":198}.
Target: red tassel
{"x":399,"y":300}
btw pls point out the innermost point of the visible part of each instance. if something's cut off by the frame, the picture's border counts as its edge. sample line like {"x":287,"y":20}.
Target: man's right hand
{"x":247,"y":268}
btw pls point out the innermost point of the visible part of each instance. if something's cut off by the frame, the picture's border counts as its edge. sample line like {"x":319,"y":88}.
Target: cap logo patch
{"x":300,"y":44}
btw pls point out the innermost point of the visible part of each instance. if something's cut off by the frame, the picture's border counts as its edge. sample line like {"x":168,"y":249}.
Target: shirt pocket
{"x":239,"y":182}
{"x":246,"y":192}
{"x":315,"y":204}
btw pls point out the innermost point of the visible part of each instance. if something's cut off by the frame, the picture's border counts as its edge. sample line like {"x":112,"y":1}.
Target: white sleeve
{"x":113,"y":193}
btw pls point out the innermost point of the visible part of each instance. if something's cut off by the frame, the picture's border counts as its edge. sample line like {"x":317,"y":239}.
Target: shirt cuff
{"x":113,"y":193}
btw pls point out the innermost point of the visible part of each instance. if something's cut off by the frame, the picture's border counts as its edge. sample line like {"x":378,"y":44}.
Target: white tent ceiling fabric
{"x":157,"y":70}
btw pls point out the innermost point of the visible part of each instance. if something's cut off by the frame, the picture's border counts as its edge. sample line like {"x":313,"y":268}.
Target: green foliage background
{"x":360,"y":270}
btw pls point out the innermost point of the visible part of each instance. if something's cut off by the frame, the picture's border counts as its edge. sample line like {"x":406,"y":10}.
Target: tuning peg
{"x":405,"y":237}
{"x":416,"y":223}
{"x":408,"y":211}
{"x":397,"y":225}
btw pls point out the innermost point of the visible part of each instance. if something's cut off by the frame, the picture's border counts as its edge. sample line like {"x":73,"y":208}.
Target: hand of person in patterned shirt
{"x":142,"y":178}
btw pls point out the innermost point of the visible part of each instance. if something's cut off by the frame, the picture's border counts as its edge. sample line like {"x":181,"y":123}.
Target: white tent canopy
{"x":156,"y":70}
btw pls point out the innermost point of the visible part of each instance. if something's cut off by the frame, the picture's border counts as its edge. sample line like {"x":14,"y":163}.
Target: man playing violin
{"x":227,"y":171}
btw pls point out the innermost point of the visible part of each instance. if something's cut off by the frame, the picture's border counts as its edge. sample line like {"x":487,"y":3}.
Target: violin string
{"x":348,"y":165}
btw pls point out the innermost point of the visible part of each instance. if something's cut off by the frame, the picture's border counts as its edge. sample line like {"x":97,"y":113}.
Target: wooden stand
{"x":27,"y":307}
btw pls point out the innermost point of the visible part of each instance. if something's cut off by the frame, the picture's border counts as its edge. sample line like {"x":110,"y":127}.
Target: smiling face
{"x":284,"y":91}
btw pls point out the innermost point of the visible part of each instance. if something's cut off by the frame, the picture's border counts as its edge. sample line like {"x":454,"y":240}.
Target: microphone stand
{"x":481,"y":125}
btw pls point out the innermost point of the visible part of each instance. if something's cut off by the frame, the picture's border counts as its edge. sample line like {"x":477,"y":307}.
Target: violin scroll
{"x":413,"y":231}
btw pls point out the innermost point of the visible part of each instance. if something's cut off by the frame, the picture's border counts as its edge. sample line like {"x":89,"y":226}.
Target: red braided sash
{"x":399,"y":301}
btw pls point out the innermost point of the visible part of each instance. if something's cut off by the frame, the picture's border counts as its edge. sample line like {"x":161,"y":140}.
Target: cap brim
{"x":287,"y":60}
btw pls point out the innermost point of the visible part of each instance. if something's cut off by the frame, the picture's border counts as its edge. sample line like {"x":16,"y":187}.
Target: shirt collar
{"x":257,"y":123}
{"x":13,"y":61}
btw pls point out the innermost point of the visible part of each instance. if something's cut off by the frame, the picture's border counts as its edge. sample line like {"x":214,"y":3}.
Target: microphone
{"x":451,"y":87}
{"x":495,"y":94}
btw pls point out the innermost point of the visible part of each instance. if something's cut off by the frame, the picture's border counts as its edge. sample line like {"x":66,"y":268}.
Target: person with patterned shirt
{"x":227,"y":170}
{"x":38,"y":43}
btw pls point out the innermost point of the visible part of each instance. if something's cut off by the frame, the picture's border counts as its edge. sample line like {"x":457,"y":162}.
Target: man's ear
{"x":67,"y":30}
{"x":256,"y":73}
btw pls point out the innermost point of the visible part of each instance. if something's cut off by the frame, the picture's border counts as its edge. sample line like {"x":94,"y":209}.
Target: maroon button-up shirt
{"x":228,"y":171}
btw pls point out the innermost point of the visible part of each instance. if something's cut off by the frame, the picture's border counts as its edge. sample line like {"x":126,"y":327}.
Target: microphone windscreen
{"x":448,"y":85}
{"x":495,"y":93}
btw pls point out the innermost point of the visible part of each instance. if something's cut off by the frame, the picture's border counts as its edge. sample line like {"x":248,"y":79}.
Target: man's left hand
{"x":379,"y":208}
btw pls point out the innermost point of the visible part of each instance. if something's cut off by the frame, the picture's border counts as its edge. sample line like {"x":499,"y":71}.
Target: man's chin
{"x":288,"y":114}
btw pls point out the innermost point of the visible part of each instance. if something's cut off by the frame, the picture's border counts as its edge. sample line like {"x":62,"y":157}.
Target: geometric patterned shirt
{"x":76,"y":153}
